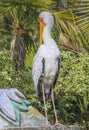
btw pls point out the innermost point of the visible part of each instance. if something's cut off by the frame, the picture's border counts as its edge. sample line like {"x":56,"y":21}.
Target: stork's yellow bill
{"x":41,"y":30}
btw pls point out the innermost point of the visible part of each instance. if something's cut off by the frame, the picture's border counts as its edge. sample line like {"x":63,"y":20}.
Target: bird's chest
{"x":50,"y":55}
{"x":50,"y":70}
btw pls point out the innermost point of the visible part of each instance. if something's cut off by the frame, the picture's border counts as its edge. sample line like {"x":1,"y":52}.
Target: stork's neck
{"x":46,"y":35}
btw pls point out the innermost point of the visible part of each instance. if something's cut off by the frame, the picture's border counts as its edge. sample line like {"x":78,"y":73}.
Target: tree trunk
{"x":18,"y":51}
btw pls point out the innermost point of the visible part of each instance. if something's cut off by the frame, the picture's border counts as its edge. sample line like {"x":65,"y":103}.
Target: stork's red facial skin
{"x":42,"y":21}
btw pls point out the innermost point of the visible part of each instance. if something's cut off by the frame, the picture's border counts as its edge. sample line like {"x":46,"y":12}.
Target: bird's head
{"x":46,"y":20}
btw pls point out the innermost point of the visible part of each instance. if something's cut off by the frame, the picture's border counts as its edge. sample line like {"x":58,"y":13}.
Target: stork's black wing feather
{"x":57,"y":74}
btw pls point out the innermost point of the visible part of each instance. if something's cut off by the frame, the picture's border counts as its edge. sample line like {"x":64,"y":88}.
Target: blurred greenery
{"x":25,"y":15}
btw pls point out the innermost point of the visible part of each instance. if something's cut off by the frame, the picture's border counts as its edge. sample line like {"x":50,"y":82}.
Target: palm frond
{"x":82,"y":11}
{"x":70,"y":35}
{"x":22,"y":11}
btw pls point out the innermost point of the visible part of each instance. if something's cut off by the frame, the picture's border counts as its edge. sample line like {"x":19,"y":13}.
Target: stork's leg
{"x":52,"y":97}
{"x":45,"y":104}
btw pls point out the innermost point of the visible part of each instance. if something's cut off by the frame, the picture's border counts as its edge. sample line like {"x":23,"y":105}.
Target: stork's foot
{"x":57,"y":123}
{"x":46,"y":124}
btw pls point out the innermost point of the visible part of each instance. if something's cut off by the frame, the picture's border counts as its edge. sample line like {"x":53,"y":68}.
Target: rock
{"x":31,"y":118}
{"x":62,"y":127}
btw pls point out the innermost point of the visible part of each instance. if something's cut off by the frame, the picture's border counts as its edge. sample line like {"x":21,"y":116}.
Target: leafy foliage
{"x":73,"y":88}
{"x":65,"y":28}
{"x":24,"y":14}
{"x":80,"y":10}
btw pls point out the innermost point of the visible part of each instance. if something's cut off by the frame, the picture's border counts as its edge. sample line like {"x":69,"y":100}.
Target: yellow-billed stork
{"x":46,"y":63}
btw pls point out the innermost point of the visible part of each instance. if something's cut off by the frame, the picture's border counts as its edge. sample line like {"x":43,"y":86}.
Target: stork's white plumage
{"x":46,"y":64}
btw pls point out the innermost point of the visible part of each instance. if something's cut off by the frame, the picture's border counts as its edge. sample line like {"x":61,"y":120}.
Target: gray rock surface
{"x":62,"y":127}
{"x":33,"y":120}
